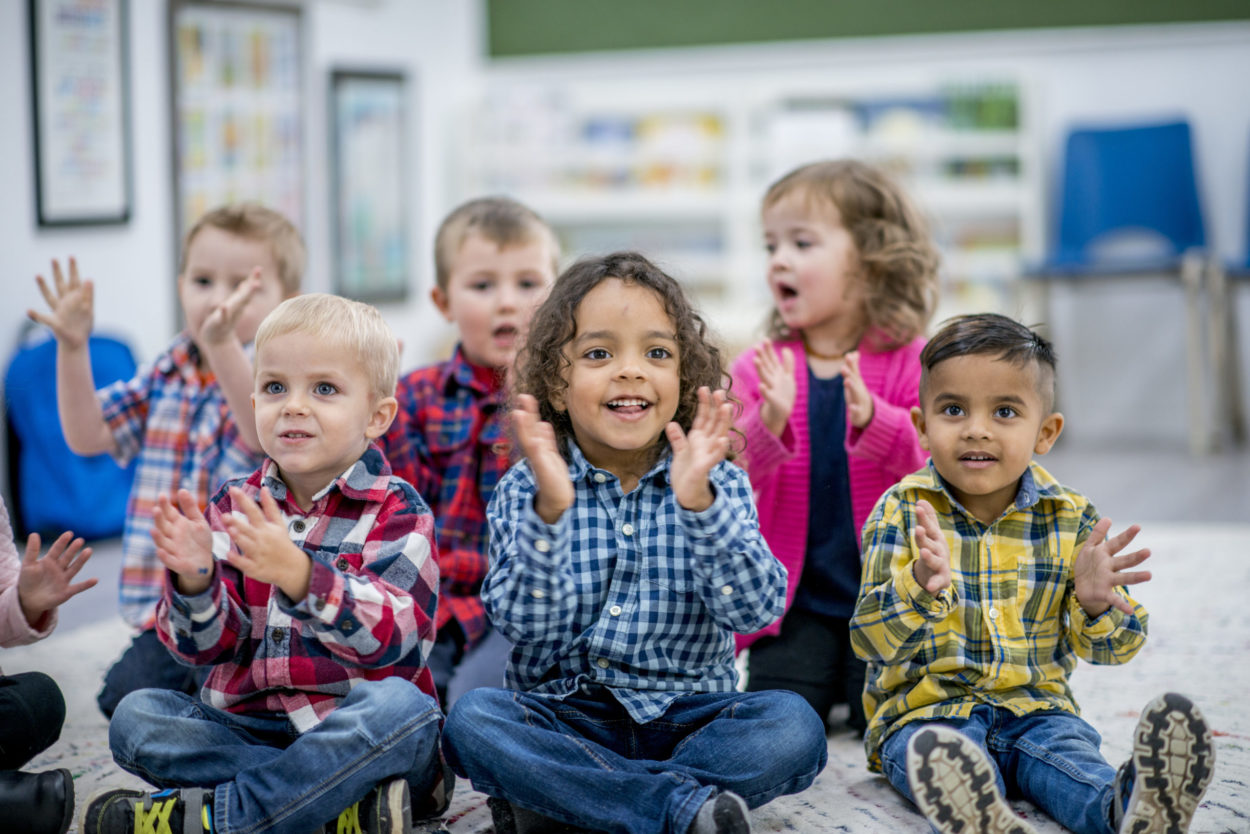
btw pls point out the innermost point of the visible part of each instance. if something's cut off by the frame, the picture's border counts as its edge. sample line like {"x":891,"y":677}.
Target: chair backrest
{"x":52,"y":488}
{"x":1136,"y":178}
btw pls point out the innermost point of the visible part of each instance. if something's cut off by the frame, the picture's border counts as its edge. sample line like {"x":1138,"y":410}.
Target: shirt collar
{"x":459,"y":374}
{"x":580,"y":468}
{"x":1036,"y":484}
{"x":364,"y":480}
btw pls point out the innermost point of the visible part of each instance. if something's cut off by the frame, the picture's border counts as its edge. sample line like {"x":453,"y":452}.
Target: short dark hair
{"x":990,"y":333}
{"x":541,"y":362}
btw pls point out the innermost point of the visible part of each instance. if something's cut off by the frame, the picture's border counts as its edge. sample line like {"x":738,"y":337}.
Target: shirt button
{"x":600,"y":477}
{"x":278,"y":635}
{"x":726,"y":590}
{"x":341,"y":563}
{"x":298,"y":525}
{"x":320,"y":604}
{"x":542,"y":545}
{"x":347,"y":625}
{"x":627,"y":529}
{"x":602,"y":663}
{"x":993,"y":613}
{"x":538,"y":593}
{"x":615,"y":610}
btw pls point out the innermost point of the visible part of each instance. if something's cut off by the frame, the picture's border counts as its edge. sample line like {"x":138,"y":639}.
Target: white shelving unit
{"x":677,"y":170}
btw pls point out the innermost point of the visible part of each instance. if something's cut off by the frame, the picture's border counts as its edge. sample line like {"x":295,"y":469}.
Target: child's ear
{"x":917,"y":420}
{"x":439,"y":296}
{"x":1049,"y":432}
{"x":383,"y":414}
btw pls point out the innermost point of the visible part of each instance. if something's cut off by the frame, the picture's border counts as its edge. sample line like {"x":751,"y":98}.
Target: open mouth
{"x":505,"y":331}
{"x":628,"y":405}
{"x":977,"y":457}
{"x":786,"y":292}
{"x":295,"y":435}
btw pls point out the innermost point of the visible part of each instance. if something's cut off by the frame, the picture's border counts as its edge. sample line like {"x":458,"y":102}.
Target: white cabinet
{"x":677,"y":168}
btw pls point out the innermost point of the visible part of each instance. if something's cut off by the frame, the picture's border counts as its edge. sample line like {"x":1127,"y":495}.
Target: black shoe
{"x":513,"y":819}
{"x":725,"y":813}
{"x":434,"y":804}
{"x":1172,"y":763}
{"x":954,"y":785}
{"x":386,"y":809}
{"x":37,"y":803}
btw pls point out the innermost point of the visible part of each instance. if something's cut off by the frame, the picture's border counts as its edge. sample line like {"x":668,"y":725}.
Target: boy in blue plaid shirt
{"x":984,"y":580}
{"x":625,"y":553}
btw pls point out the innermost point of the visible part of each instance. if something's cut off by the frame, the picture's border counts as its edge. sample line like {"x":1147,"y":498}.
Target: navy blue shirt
{"x":830,"y":581}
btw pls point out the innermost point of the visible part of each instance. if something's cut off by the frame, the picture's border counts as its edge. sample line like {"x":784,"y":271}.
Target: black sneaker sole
{"x":954,"y":785}
{"x":1175,"y":761}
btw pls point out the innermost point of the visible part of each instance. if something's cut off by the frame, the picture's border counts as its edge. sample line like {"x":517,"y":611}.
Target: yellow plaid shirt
{"x":1008,"y":630}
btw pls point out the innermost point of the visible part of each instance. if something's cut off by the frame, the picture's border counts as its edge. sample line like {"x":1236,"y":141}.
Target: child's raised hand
{"x":219,"y":325}
{"x":184,"y":542}
{"x":859,"y":405}
{"x":697,"y":451}
{"x":71,"y":306}
{"x":538,"y":443}
{"x":43,"y":584}
{"x":265,"y":551}
{"x":777,"y":386}
{"x":1098,"y":571}
{"x":933,"y":568}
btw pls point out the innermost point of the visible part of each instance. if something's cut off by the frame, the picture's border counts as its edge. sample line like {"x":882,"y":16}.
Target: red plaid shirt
{"x":368,"y":615}
{"x":448,"y":440}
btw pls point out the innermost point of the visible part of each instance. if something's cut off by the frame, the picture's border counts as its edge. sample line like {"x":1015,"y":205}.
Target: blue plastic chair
{"x":1128,"y":209}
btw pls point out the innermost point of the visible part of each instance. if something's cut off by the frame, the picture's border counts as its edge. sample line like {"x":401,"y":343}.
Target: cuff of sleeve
{"x":716,"y":522}
{"x":542,"y":540}
{"x":925,"y":604}
{"x":324,"y":601}
{"x":765,"y":450}
{"x":188,"y":605}
{"x":1100,"y":627}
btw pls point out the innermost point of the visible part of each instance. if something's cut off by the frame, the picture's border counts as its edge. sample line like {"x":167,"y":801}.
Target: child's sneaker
{"x":954,"y":785}
{"x":507,"y":818}
{"x":172,"y":811}
{"x":725,"y":813}
{"x":387,"y":809}
{"x":1172,"y":763}
{"x":434,"y":804}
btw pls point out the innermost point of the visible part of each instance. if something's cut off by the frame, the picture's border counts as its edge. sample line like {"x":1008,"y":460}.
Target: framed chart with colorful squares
{"x":237,"y":108}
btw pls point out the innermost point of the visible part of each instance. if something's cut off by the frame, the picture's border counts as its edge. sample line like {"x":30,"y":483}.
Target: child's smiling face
{"x":982,"y":419}
{"x":624,"y":376}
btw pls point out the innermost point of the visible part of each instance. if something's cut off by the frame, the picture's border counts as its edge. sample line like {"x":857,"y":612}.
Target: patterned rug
{"x":1199,"y":644}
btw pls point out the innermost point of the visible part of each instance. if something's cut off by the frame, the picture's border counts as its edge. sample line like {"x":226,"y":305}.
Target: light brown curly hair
{"x":542,"y":364}
{"x":897,"y":256}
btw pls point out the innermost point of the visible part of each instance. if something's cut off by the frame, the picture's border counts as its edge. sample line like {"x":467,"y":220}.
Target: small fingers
{"x":58,"y":278}
{"x":46,"y":292}
{"x":1121,"y":540}
{"x":32,"y":549}
{"x":186,"y":503}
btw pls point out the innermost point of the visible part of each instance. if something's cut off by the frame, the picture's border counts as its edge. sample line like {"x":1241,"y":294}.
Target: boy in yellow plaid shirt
{"x":984,"y":580}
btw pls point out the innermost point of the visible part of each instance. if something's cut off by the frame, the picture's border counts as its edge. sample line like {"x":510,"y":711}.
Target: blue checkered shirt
{"x":632,"y":592}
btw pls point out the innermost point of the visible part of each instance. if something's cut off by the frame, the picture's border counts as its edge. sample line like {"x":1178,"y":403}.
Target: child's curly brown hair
{"x":542,"y":364}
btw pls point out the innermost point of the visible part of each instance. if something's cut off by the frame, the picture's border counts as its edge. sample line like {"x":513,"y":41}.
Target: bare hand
{"x":859,"y":404}
{"x":265,"y":551}
{"x":184,"y":541}
{"x":538,"y":444}
{"x":71,"y":306}
{"x":933,"y":567}
{"x":777,"y":386}
{"x":696,"y":452}
{"x":43,"y":584}
{"x":219,"y":325}
{"x":1098,"y":571}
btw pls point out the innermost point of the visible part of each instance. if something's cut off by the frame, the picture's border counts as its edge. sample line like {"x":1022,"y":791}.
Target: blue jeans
{"x":267,"y":776}
{"x":584,"y":761}
{"x":1050,"y":758}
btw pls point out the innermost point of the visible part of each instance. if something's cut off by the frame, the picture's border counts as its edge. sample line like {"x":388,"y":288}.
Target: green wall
{"x":531,"y":27}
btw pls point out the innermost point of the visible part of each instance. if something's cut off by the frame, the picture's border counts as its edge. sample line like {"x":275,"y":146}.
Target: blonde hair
{"x":501,"y":220}
{"x":256,"y":222}
{"x":896,"y":253}
{"x":358,"y":328}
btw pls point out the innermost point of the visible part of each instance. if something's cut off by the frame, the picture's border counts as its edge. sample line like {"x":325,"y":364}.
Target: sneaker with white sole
{"x":955,"y":787}
{"x":1172,"y":764}
{"x":171,"y":811}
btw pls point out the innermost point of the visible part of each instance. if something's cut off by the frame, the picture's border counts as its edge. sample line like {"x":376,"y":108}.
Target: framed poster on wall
{"x":367,"y":117}
{"x":236,"y":108}
{"x":81,"y":116}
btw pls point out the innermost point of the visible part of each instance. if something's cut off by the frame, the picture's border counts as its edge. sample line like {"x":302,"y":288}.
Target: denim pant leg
{"x":278,"y":780}
{"x":760,"y":745}
{"x":894,"y":749}
{"x":1054,"y":758}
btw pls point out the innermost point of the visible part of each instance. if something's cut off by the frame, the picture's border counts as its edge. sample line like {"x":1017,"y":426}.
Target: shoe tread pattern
{"x":954,"y":785}
{"x":1174,"y":760}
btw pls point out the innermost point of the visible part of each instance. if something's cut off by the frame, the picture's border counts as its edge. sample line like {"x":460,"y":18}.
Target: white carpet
{"x":1199,"y":644}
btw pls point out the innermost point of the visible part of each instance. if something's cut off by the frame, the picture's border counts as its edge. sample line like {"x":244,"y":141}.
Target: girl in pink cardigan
{"x":853,"y":274}
{"x":32,"y":709}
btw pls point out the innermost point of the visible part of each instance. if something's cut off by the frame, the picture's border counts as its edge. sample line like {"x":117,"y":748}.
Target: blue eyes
{"x":321,"y":389}
{"x":274,"y":388}
{"x":325,"y":389}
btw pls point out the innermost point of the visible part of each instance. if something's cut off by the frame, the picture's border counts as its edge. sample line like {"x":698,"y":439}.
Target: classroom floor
{"x":1199,"y":644}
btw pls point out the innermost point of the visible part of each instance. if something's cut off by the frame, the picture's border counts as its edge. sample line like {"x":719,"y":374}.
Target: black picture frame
{"x":367,"y":112}
{"x":80,"y":97}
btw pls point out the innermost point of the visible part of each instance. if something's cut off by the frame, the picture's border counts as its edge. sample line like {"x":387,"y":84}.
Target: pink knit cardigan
{"x":878,"y":456}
